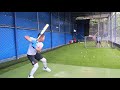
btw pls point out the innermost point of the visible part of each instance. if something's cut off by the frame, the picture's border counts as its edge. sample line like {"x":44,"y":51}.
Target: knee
{"x":36,"y":65}
{"x":43,"y":60}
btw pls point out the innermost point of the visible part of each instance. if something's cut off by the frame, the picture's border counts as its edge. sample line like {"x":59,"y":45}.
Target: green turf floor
{"x":76,"y":54}
{"x":63,"y":71}
{"x":72,"y":61}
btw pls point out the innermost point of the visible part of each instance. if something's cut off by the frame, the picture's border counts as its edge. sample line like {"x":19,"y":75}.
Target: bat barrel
{"x":46,"y":26}
{"x":44,"y":29}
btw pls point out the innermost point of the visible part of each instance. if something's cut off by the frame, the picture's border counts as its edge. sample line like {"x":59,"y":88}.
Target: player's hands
{"x":34,"y":42}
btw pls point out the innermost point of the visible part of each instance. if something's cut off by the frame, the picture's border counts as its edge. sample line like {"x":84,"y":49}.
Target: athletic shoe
{"x":30,"y":76}
{"x":46,"y":69}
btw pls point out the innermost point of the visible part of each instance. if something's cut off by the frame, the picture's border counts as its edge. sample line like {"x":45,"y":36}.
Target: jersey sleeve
{"x":40,"y":45}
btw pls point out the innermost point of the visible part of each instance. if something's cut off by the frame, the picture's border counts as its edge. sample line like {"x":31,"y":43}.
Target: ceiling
{"x":88,"y":14}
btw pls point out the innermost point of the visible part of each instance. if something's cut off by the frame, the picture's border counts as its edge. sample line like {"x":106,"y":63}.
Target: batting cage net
{"x":98,"y":33}
{"x":15,"y":25}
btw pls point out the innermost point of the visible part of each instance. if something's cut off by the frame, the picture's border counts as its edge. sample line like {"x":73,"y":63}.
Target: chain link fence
{"x":107,"y":28}
{"x":15,"y":25}
{"x":98,"y":28}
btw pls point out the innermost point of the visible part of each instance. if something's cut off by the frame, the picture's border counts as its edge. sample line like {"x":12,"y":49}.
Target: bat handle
{"x":39,"y":36}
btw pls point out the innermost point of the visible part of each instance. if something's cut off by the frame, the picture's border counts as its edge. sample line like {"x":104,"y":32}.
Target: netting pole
{"x":65,"y":27}
{"x":51,"y":27}
{"x":85,"y":41}
{"x":69,"y":22}
{"x":15,"y":36}
{"x":38,"y":22}
{"x":111,"y":31}
{"x":98,"y":28}
{"x":58,"y":21}
{"x":107,"y":30}
{"x":115,"y":28}
{"x":108,"y":23}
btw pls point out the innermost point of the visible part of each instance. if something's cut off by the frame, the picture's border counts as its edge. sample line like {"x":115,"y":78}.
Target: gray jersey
{"x":31,"y":50}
